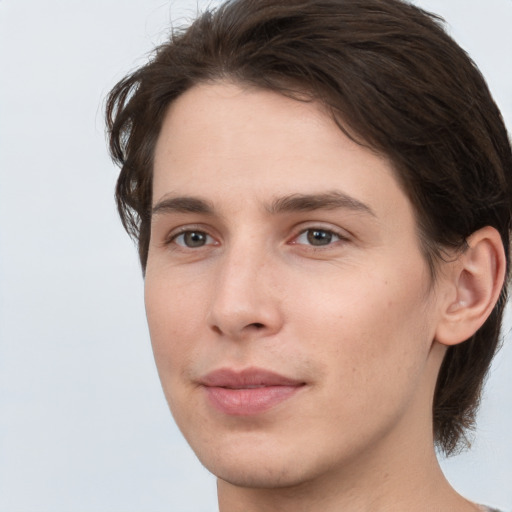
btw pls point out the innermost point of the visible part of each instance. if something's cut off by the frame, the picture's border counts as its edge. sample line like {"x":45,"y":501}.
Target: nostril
{"x":217,"y":329}
{"x":255,"y":325}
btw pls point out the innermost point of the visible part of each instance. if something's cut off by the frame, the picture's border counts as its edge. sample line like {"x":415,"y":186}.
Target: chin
{"x":257,"y":461}
{"x":270,"y":473}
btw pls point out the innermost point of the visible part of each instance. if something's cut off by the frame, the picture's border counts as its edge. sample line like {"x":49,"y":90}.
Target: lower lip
{"x":249,"y":401}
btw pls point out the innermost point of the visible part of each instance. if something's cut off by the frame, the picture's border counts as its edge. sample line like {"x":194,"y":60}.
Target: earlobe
{"x":477,"y":276}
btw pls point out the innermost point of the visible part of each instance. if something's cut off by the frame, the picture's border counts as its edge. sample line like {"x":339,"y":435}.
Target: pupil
{"x":194,"y":239}
{"x":319,"y":237}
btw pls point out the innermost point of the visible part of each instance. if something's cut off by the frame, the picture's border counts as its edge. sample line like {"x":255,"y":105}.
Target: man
{"x":321,"y":196}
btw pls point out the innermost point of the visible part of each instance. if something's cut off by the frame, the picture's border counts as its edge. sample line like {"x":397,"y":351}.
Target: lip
{"x":248,"y":392}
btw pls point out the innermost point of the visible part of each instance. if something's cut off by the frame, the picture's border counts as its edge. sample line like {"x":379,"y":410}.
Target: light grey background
{"x":83,"y":422}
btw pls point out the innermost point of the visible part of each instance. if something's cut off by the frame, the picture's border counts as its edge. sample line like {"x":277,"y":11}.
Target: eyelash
{"x":172,"y":239}
{"x":331,"y":233}
{"x":320,"y":234}
{"x":328,"y":235}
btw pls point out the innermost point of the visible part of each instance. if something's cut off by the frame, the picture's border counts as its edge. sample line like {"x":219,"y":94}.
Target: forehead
{"x":238,"y":145}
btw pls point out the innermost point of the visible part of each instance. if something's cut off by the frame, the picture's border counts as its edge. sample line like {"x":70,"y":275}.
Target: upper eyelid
{"x":318,"y":228}
{"x":340,"y":238}
{"x":184,"y":228}
{"x":323,"y":226}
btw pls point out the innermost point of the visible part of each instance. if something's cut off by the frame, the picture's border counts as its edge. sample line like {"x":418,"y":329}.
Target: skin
{"x":244,"y":285}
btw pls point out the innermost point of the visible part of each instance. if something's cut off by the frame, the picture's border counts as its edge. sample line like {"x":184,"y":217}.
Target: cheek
{"x":175,"y":335}
{"x":172,"y":316}
{"x":369,"y":328}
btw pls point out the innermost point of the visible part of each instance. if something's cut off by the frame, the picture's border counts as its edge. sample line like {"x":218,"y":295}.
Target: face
{"x":290,"y":308}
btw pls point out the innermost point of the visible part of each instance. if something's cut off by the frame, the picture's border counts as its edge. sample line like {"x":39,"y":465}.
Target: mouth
{"x":248,"y":392}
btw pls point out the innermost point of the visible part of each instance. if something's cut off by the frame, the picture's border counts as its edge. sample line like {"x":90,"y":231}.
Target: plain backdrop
{"x":83,"y":422}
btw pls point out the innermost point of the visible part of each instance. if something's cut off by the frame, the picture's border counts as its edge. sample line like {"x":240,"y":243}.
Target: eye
{"x":192,"y":239}
{"x":317,"y":237}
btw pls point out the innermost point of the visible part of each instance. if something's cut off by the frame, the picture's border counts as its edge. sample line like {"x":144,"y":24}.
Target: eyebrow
{"x":325,"y":201}
{"x":287,"y":204}
{"x":183,"y":205}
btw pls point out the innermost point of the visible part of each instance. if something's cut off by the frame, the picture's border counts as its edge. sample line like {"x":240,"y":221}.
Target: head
{"x":395,"y":85}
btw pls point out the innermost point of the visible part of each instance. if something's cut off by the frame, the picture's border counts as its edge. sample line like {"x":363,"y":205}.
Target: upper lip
{"x":246,"y":378}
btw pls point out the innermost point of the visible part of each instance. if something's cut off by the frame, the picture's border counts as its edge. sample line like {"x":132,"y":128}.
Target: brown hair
{"x":395,"y":82}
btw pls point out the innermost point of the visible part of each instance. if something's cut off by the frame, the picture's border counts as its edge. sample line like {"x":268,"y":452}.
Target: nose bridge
{"x":244,"y":299}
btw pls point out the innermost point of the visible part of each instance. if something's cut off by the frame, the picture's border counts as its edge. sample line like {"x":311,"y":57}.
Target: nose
{"x":245,"y":302}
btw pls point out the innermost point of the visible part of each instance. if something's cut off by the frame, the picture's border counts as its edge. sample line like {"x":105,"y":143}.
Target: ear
{"x":475,"y":281}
